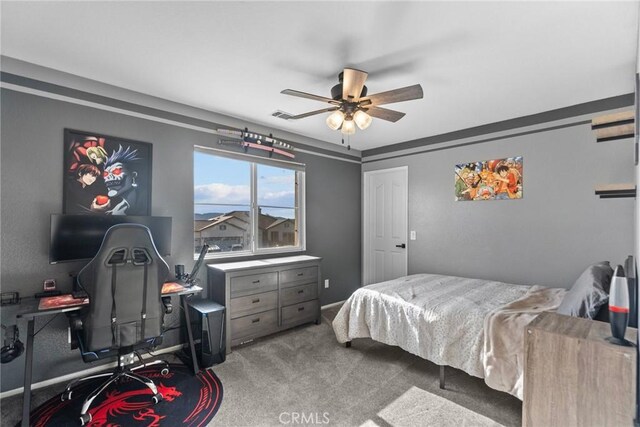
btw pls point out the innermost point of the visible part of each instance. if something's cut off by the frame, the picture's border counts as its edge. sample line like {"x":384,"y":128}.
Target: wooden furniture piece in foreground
{"x":266,"y":296}
{"x":574,"y":377}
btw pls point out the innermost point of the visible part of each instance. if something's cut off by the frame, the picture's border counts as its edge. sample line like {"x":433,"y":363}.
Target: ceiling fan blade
{"x":384,"y":114}
{"x":352,"y":83}
{"x":309,"y":96}
{"x":313,"y":113}
{"x":397,"y":95}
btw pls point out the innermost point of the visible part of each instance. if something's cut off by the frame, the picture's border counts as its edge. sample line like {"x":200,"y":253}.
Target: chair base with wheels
{"x":129,"y":361}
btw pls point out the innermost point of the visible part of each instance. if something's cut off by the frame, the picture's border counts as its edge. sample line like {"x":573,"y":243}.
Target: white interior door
{"x":385,"y":229}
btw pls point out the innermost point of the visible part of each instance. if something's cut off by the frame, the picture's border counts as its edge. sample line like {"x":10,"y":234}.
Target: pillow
{"x":589,"y":292}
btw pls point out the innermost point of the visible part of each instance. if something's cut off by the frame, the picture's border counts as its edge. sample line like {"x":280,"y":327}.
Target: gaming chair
{"x":125,"y":314}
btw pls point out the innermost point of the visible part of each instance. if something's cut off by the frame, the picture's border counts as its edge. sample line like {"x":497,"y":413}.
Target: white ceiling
{"x":478,"y":62}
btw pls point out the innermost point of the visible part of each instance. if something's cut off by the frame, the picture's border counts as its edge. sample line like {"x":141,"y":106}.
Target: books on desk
{"x":61,"y":301}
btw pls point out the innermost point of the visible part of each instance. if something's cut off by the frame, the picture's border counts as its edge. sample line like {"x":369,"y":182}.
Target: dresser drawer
{"x":298,"y":294}
{"x":299,"y":313}
{"x":298,"y":276}
{"x":253,"y":284}
{"x":243,"y":306}
{"x":255,"y":324}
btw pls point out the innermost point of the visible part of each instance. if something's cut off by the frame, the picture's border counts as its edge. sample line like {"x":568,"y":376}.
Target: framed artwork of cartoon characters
{"x":106,"y":175}
{"x":498,"y":179}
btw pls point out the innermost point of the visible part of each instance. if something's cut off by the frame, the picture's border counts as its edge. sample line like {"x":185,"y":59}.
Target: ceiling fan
{"x":351,"y":106}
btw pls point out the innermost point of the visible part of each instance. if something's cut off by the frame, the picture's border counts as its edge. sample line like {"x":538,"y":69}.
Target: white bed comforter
{"x":439,"y":318}
{"x":471,"y":324}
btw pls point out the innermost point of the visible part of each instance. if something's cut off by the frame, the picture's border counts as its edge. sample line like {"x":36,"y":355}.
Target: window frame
{"x":299,"y":208}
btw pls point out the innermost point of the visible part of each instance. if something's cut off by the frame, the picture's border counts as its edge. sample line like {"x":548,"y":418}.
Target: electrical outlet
{"x":413,"y":235}
{"x":326,"y":283}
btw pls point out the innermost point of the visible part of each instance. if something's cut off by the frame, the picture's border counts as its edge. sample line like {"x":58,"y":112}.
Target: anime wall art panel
{"x":499,"y":179}
{"x":106,"y":175}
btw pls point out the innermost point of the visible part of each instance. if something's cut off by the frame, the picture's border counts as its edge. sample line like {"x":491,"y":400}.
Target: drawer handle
{"x":300,"y":274}
{"x":255,"y":301}
{"x":255,"y":282}
{"x":300,"y":308}
{"x":255,"y":320}
{"x":301,"y":291}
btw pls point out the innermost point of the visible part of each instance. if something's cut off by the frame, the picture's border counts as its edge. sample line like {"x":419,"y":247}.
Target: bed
{"x":470,"y":324}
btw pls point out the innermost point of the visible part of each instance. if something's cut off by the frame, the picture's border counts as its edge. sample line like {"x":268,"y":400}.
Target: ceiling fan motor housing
{"x":336,"y":91}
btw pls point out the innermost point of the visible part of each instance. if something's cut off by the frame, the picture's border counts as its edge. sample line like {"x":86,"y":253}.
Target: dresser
{"x":574,"y":377}
{"x":266,"y":296}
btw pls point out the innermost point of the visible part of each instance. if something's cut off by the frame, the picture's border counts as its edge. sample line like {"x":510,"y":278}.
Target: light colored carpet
{"x":305,"y":372}
{"x":304,"y":377}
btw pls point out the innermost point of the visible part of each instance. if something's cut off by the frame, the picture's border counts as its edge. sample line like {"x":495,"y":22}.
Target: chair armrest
{"x":168,"y":307}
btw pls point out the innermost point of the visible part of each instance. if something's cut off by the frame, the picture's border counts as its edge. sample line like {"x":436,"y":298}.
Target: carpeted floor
{"x":303,"y":376}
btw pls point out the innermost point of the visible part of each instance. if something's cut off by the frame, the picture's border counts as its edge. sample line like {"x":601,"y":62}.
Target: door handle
{"x":401,"y":246}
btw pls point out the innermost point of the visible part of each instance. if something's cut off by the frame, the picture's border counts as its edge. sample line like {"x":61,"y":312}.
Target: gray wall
{"x":546,"y":238}
{"x":31,"y":187}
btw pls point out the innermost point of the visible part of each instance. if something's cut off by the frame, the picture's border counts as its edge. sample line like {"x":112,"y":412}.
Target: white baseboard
{"x":83,"y":373}
{"x":333,"y":304}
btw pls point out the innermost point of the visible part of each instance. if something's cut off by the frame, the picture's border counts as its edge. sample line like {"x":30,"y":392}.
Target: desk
{"x":29,"y":310}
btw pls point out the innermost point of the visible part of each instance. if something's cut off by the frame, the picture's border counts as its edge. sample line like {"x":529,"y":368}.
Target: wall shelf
{"x":615,"y":191}
{"x":615,"y":126}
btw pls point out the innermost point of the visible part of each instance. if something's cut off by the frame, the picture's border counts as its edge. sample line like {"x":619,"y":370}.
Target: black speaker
{"x":13,"y":347}
{"x":632,"y":282}
{"x":207,"y":320}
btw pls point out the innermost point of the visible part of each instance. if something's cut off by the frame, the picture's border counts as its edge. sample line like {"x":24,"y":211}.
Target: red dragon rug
{"x":188,"y":401}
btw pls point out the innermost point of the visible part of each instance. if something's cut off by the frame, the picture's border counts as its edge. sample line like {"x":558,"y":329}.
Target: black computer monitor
{"x":78,"y":237}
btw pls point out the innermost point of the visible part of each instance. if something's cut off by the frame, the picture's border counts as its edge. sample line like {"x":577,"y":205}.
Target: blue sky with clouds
{"x":227,"y":181}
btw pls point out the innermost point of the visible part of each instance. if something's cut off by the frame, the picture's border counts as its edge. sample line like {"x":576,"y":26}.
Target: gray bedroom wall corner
{"x":333,"y":228}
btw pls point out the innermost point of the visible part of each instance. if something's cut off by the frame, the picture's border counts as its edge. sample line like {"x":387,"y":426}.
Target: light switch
{"x":413,"y":235}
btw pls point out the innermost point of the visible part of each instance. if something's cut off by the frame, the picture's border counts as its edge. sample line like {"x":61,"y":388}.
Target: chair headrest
{"x":124,"y":243}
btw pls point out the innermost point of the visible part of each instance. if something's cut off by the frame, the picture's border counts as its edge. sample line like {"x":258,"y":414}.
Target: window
{"x":246,"y":204}
{"x":276,"y":202}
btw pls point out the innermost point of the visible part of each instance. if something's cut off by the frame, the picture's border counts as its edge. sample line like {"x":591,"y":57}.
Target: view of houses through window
{"x":223,"y":215}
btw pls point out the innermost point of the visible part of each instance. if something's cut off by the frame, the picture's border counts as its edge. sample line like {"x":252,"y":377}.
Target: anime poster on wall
{"x":106,"y":175}
{"x":499,"y":179}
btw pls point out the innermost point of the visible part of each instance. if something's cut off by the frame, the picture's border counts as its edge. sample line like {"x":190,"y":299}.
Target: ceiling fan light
{"x":348,"y":127}
{"x":362,"y":119}
{"x":335,"y":120}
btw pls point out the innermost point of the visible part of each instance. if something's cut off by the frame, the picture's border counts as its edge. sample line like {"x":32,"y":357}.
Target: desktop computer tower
{"x":207,"y":319}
